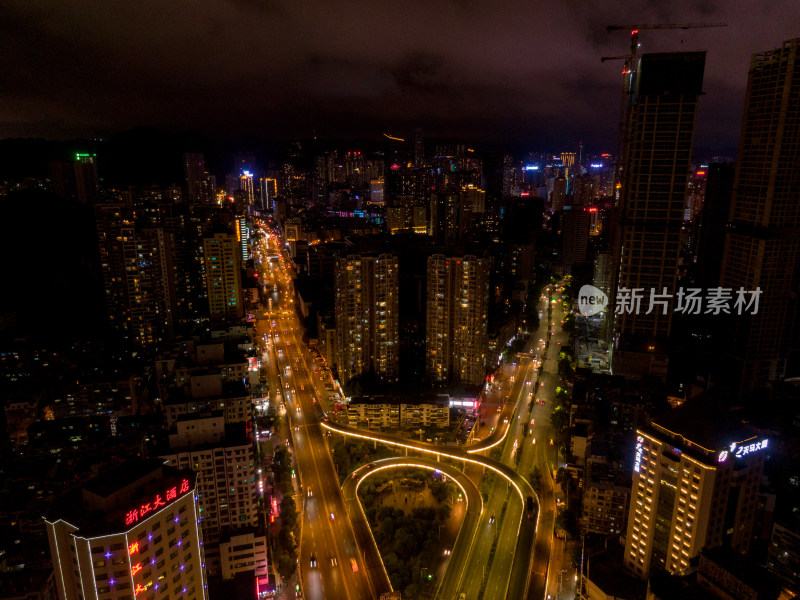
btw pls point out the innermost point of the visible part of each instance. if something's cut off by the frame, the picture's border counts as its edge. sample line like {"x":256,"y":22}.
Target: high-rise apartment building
{"x":367,"y":316}
{"x":763,"y":248}
{"x":129,"y":533}
{"x":559,"y":195}
{"x":222,"y":457}
{"x":654,"y":181}
{"x":696,"y":476}
{"x":138,"y":275}
{"x":714,"y":220}
{"x":456,"y":340}
{"x":575,"y":236}
{"x":222,"y":262}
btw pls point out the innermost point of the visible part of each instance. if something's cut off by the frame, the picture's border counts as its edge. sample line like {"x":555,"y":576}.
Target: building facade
{"x":133,"y":533}
{"x":763,"y":247}
{"x":367,"y":316}
{"x":654,"y":182}
{"x":226,"y":479}
{"x":456,"y":343}
{"x":222,"y":262}
{"x":691,"y":490}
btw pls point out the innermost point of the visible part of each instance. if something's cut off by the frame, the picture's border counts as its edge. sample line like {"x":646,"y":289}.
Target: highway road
{"x":522,"y":553}
{"x":326,"y":535}
{"x":521,"y":487}
{"x":541,"y":454}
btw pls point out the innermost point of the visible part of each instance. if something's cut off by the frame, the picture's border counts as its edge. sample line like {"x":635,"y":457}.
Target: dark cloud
{"x":423,"y":72}
{"x":509,"y":69}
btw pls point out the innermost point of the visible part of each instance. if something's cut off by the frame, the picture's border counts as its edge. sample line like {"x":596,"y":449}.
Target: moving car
{"x":313,"y":560}
{"x":530,"y":506}
{"x":354,"y":565}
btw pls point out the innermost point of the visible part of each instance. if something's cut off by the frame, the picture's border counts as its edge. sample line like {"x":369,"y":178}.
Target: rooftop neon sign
{"x":637,"y":461}
{"x":133,"y":515}
{"x":742,"y":449}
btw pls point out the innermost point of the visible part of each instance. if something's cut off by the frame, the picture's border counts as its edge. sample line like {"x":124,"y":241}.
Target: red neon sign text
{"x":132,"y":516}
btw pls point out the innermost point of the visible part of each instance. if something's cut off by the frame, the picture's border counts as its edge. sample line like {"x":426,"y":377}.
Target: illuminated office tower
{"x":455,"y":336}
{"x":243,"y":236}
{"x":696,"y":476}
{"x":246,"y":185}
{"x":367,"y":316}
{"x":654,"y":182}
{"x":763,"y":247}
{"x":376,"y":197}
{"x":129,"y":533}
{"x":269,"y":190}
{"x":222,"y":262}
{"x":567,"y":159}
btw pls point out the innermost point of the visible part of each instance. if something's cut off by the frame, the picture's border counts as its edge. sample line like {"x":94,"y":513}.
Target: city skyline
{"x":408,"y":355}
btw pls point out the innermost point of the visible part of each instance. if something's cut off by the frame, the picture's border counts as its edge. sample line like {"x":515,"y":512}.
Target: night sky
{"x":504,"y":72}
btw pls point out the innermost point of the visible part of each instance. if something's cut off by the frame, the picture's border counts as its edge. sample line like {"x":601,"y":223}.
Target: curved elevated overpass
{"x":458,"y":561}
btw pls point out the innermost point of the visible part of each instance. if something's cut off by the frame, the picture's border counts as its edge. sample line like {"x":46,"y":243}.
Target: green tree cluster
{"x":348,"y":454}
{"x":285,"y":560}
{"x":535,"y":479}
{"x":282,"y":469}
{"x":408,"y":544}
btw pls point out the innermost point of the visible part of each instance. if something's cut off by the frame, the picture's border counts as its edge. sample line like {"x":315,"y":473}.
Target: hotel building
{"x":130,"y":533}
{"x":696,"y":476}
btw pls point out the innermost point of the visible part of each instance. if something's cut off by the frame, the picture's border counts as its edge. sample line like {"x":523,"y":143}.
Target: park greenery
{"x":408,"y":540}
{"x":348,"y":455}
